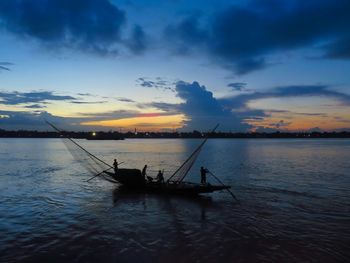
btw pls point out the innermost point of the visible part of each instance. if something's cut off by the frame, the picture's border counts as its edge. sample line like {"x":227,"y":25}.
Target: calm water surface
{"x":295,"y":203}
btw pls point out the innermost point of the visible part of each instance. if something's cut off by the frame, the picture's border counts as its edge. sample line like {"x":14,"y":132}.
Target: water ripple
{"x":294,"y":205}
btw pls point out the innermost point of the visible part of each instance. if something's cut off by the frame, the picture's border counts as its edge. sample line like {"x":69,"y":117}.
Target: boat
{"x":134,"y":180}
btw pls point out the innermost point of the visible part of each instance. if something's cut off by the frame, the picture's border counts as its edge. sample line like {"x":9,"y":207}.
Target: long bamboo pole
{"x":88,"y":180}
{"x":101,"y":173}
{"x":228,"y":190}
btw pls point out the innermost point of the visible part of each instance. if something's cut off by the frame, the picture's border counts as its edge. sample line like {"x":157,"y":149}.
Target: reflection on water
{"x":294,"y":203}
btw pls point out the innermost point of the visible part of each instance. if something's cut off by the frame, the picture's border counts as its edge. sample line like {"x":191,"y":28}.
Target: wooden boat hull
{"x":184,"y":188}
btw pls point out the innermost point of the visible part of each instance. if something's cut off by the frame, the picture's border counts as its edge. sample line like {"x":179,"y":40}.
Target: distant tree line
{"x":113,"y":135}
{"x":70,"y":134}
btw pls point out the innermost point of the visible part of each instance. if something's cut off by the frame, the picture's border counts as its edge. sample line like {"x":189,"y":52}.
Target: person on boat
{"x":115,"y":165}
{"x":149,"y":179}
{"x":144,"y":173}
{"x":204,"y":172}
{"x":160,"y":177}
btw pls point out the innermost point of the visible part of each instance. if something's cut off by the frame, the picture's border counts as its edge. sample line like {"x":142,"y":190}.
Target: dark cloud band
{"x":5,"y":66}
{"x":87,"y":25}
{"x":241,"y":38}
{"x":15,"y":98}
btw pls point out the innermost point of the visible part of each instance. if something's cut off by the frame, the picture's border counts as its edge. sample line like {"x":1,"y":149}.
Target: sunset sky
{"x":259,"y":65}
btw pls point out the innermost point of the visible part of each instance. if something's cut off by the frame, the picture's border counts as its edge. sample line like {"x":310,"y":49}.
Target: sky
{"x":166,"y":65}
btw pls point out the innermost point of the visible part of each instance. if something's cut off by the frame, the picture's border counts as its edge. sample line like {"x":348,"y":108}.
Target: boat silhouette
{"x":134,"y":179}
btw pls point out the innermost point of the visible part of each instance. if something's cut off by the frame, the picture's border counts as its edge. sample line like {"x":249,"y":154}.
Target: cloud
{"x":5,"y":66}
{"x":110,"y":115}
{"x":187,"y":31}
{"x":87,"y":102}
{"x":164,"y":106}
{"x":289,"y":114}
{"x":279,"y":124}
{"x":145,"y":83}
{"x":238,"y":86}
{"x":153,"y":114}
{"x":35,"y":106}
{"x":120,"y":114}
{"x":241,"y":101}
{"x":243,"y":37}
{"x":122,"y":99}
{"x":311,"y":114}
{"x":21,"y":120}
{"x":85,"y":94}
{"x":87,"y":25}
{"x":338,"y":49}
{"x":203,"y":110}
{"x":15,"y":97}
{"x":137,"y":43}
{"x":158,"y":83}
{"x":35,"y":120}
{"x":342,"y":119}
{"x":198,"y":99}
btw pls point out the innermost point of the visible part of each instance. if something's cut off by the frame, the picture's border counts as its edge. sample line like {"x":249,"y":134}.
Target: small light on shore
{"x":94,"y":134}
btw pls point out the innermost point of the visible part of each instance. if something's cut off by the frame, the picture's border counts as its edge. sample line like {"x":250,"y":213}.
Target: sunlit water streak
{"x":295,"y":197}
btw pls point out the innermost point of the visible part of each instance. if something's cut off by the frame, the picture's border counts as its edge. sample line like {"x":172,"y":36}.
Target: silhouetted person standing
{"x":115,"y":165}
{"x":144,"y":172}
{"x":160,"y":177}
{"x":204,"y":172}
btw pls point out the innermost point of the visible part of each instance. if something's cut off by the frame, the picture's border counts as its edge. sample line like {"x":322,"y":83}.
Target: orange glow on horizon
{"x":295,"y":123}
{"x":145,"y":122}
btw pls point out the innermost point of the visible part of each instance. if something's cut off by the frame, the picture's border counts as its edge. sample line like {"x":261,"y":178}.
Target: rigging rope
{"x":183,"y":170}
{"x":91,"y":162}
{"x":90,"y":154}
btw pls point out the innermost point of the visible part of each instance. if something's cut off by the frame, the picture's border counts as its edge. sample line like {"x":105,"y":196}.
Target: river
{"x":294,"y":203}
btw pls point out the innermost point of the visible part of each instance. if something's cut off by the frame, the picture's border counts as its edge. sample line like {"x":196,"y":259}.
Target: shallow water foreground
{"x":295,"y":197}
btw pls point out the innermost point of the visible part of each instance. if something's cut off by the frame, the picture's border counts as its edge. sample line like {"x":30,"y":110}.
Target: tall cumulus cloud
{"x":203,"y":110}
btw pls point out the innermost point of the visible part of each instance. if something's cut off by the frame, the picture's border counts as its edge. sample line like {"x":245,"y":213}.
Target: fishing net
{"x":89,"y":161}
{"x":92,"y":163}
{"x":183,"y":170}
{"x":96,"y":166}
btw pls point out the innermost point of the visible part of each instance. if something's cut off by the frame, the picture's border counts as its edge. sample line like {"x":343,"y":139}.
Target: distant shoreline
{"x":170,"y":135}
